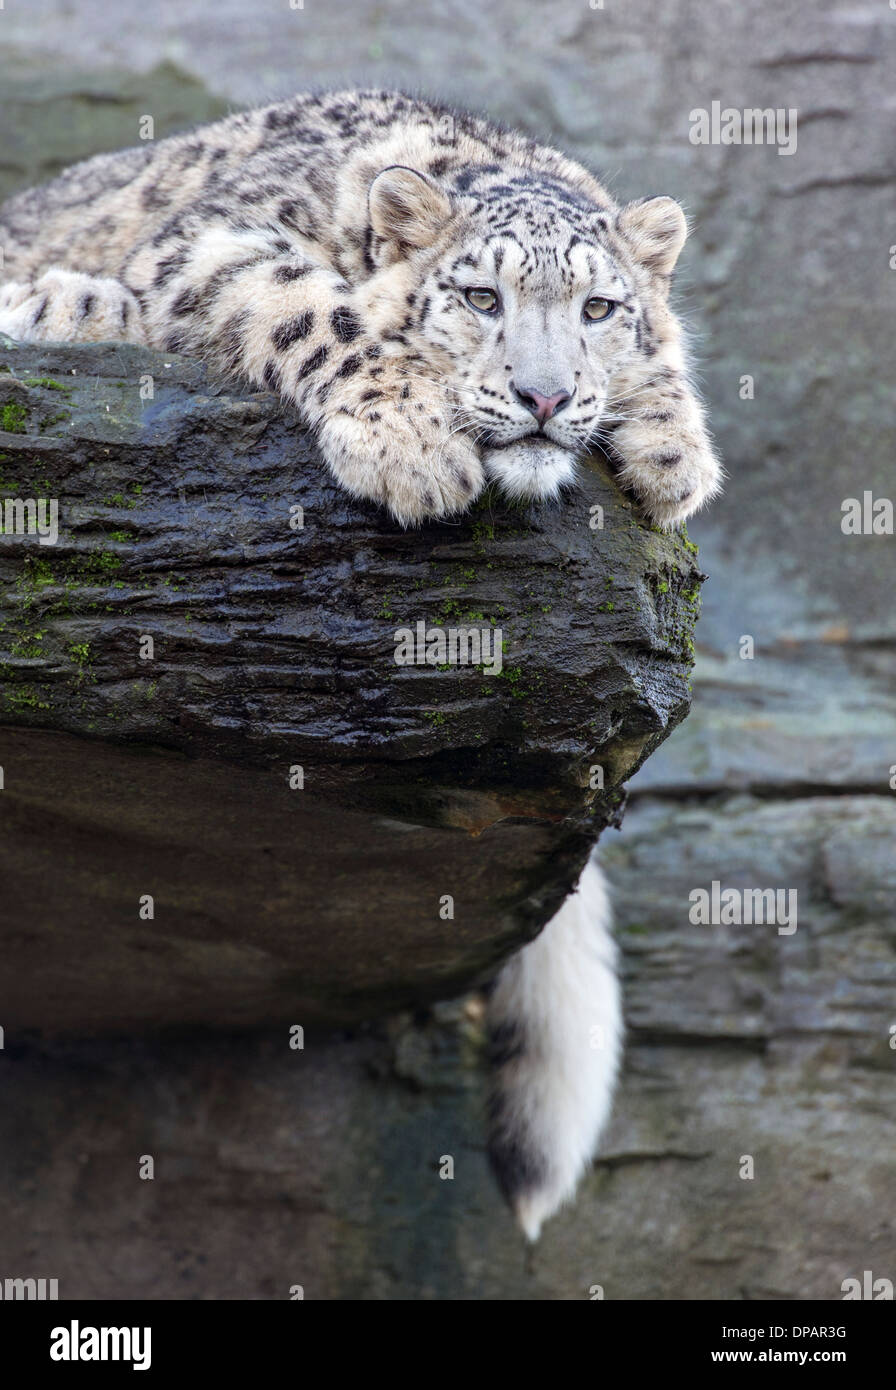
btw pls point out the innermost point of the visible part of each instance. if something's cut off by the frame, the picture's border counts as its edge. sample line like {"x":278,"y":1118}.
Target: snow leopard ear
{"x":656,"y":229}
{"x":407,"y":210}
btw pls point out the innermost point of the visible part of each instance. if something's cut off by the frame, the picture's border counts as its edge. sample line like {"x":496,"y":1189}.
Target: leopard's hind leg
{"x":68,"y":306}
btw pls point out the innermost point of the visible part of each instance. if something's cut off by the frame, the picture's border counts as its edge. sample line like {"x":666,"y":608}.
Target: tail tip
{"x":530,"y":1217}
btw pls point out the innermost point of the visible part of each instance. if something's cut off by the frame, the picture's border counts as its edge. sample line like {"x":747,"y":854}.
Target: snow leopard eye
{"x":486,"y":301}
{"x":598,"y":308}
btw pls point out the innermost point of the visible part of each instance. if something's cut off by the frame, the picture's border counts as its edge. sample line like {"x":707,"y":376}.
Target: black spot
{"x":174,"y":227}
{"x":505,"y":1044}
{"x":227,"y":273}
{"x":319,"y":180}
{"x":187,"y":302}
{"x":153,"y":197}
{"x":195,"y":150}
{"x":516,"y":1168}
{"x":351,"y":365}
{"x":41,"y":310}
{"x":233,"y":338}
{"x":278,"y":119}
{"x":169,"y":266}
{"x":667,"y":460}
{"x":250,"y":196}
{"x":465,"y":178}
{"x":313,"y":363}
{"x":86,"y":305}
{"x":346,"y":324}
{"x":285,"y":334}
{"x":286,"y":273}
{"x":369,"y":262}
{"x":271,"y":376}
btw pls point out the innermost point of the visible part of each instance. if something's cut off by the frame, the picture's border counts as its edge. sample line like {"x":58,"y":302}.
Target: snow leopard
{"x":449,"y":305}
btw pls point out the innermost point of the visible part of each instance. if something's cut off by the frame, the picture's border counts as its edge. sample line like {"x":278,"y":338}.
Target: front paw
{"x":409,"y":459}
{"x":530,"y":468}
{"x":69,"y":306}
{"x":17,"y":308}
{"x":671,"y":477}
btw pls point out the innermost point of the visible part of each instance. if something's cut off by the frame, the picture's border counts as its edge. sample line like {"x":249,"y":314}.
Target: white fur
{"x":58,"y":296}
{"x":530,"y":468}
{"x":562,"y":991}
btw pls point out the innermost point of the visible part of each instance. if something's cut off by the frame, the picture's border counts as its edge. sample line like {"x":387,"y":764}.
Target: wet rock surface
{"x":202,"y":707}
{"x":321,"y":1167}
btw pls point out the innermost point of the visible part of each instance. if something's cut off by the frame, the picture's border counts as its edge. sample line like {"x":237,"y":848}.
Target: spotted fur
{"x":323,"y":247}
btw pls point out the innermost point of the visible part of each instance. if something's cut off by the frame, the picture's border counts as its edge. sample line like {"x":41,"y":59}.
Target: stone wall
{"x":321,"y":1167}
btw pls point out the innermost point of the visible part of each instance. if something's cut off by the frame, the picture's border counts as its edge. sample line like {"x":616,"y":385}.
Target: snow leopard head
{"x":530,"y":297}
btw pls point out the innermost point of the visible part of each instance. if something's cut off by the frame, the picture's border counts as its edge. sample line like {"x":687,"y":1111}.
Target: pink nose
{"x":541,"y":406}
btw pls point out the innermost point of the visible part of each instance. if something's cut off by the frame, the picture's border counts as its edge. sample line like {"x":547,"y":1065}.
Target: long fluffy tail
{"x":555,"y":1027}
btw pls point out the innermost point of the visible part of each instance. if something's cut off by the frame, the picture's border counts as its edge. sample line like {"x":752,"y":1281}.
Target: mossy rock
{"x":185,"y":646}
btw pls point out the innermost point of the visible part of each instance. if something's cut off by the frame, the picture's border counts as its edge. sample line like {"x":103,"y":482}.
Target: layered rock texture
{"x":320,"y":1167}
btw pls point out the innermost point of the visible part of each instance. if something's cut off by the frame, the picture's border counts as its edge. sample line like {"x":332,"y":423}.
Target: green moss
{"x":686,"y":541}
{"x":513,"y":675}
{"x":482,"y":531}
{"x":101,"y":562}
{"x":79,"y":653}
{"x":21,"y":697}
{"x":451,"y":609}
{"x":28,"y":644}
{"x":36,"y":574}
{"x":54,"y":420}
{"x":49,"y":384}
{"x":13,"y":417}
